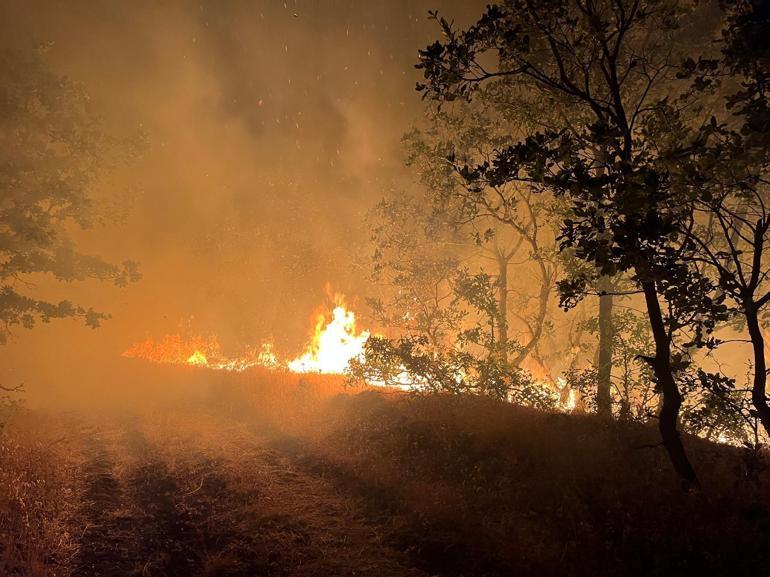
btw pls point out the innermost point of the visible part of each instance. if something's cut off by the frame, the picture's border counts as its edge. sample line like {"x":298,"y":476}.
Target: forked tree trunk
{"x":759,"y":384}
{"x":671,"y":398}
{"x":538,"y":324}
{"x":604,"y":363}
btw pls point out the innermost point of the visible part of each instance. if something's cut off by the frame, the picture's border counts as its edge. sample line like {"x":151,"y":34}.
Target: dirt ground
{"x":172,"y":495}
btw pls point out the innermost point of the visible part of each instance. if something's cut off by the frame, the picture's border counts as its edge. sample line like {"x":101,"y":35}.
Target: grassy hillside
{"x":274,"y":470}
{"x":474,"y":487}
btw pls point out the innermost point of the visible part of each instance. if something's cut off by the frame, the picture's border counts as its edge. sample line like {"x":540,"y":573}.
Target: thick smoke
{"x":269,"y":128}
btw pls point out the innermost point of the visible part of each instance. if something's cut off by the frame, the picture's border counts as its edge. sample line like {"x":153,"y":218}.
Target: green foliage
{"x":717,"y":409}
{"x":53,"y":158}
{"x":413,"y":255}
{"x":448,"y":313}
{"x":633,"y":390}
{"x":443,"y":256}
{"x":479,"y":292}
{"x":629,"y":116}
{"x":624,"y":211}
{"x":411,"y":361}
{"x":583,"y":380}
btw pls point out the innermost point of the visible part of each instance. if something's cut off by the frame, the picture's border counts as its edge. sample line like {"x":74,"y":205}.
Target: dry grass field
{"x":268,"y":473}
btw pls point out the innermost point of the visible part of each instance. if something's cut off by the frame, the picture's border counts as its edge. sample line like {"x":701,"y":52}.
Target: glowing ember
{"x":333,"y":344}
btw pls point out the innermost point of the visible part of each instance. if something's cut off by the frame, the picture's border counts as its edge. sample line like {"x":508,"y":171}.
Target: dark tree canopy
{"x":629,"y":123}
{"x":53,"y":157}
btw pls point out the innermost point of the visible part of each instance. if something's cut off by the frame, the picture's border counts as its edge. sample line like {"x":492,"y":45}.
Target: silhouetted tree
{"x":450,"y":313}
{"x":513,"y":220}
{"x":726,"y":165}
{"x":612,"y":65}
{"x":53,"y":155}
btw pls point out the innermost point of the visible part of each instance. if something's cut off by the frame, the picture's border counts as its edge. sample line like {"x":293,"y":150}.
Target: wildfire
{"x":333,"y":345}
{"x":198,"y":358}
{"x":573,"y":396}
{"x":266,"y":356}
{"x":198,"y":351}
{"x":335,"y":341}
{"x":175,"y":349}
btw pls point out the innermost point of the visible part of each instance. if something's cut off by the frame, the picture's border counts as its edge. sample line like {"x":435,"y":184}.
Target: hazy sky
{"x":271,"y":128}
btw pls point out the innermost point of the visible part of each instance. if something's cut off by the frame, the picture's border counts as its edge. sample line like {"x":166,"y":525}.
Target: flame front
{"x":333,"y":344}
{"x":266,"y":357}
{"x":199,"y":352}
{"x":176,"y":349}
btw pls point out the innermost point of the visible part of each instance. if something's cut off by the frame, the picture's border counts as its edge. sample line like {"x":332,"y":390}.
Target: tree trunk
{"x":604,"y":364}
{"x":668,"y":417}
{"x":537,"y":326}
{"x":759,"y":385}
{"x":502,"y":305}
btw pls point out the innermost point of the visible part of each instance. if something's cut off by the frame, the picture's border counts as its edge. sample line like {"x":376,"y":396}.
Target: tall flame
{"x":333,"y":344}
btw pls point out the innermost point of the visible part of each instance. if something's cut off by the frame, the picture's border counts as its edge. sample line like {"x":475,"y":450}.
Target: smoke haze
{"x":269,"y":129}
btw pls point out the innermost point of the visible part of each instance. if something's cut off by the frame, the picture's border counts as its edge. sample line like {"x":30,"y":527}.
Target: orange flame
{"x":198,"y":358}
{"x":175,"y":349}
{"x":198,"y":351}
{"x":333,"y":345}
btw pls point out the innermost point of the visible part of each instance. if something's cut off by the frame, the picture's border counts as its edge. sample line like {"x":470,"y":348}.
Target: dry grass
{"x":482,"y":487}
{"x":286,"y":402}
{"x":40,"y":486}
{"x":46,"y":460}
{"x":238,"y":508}
{"x":269,"y":472}
{"x":475,"y":487}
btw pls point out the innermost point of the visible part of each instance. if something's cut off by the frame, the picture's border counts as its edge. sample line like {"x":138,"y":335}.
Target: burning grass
{"x":178,"y":349}
{"x":333,"y":343}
